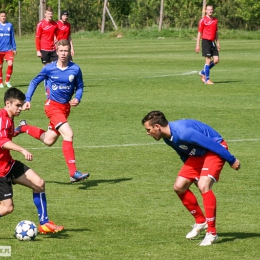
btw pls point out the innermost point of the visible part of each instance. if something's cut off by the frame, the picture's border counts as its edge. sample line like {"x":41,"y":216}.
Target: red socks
{"x":69,"y":155}
{"x":210,"y":206}
{"x":9,"y":72}
{"x":189,"y":200}
{"x":32,"y":131}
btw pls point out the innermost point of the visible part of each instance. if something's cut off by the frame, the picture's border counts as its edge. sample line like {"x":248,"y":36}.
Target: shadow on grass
{"x":21,"y":85}
{"x":226,"y":81}
{"x":91,"y":183}
{"x":227,"y":237}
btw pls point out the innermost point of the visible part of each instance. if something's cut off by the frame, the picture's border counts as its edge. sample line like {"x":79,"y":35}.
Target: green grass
{"x":127,"y":209}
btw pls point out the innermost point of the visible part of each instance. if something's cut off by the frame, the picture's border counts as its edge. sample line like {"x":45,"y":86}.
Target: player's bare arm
{"x":197,"y":49}
{"x":236,"y":165}
{"x":15,"y":147}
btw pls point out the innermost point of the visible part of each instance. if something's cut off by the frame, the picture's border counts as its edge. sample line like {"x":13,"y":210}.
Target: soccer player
{"x":15,"y":172}
{"x":204,"y":153}
{"x":7,"y":48}
{"x":208,"y":31}
{"x":64,"y":78}
{"x":64,"y":32}
{"x":45,"y":34}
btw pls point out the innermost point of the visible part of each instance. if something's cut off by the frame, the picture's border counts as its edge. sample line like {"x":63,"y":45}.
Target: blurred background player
{"x":64,"y":79}
{"x":204,"y":153}
{"x":15,"y":172}
{"x":208,"y":32}
{"x":7,"y":48}
{"x":46,"y":32}
{"x":64,"y":31}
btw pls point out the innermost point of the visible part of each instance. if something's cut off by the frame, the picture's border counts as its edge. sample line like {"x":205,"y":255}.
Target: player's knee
{"x":178,"y":189}
{"x":39,"y":186}
{"x":7,"y":210}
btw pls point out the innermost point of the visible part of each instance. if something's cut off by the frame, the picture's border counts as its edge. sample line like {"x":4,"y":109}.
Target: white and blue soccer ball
{"x":25,"y":230}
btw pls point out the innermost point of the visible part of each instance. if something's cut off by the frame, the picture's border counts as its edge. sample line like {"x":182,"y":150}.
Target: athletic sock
{"x":189,"y":200}
{"x":211,"y":65}
{"x":9,"y":72}
{"x":206,"y":69}
{"x":69,"y":155}
{"x":40,"y":202}
{"x":1,"y":74}
{"x":32,"y":131}
{"x":210,"y":206}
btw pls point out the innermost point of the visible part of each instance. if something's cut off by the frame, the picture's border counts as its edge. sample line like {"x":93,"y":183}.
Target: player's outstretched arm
{"x":15,"y":147}
{"x":236,"y":165}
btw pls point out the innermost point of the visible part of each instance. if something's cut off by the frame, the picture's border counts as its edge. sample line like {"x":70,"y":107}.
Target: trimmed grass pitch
{"x":127,"y":209}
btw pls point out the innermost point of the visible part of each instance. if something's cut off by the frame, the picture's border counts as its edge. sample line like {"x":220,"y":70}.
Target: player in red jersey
{"x":46,"y":32}
{"x":64,"y":30}
{"x":15,"y":172}
{"x":208,"y":32}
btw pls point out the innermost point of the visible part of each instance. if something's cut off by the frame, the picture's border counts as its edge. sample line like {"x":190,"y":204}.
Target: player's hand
{"x":27,"y":155}
{"x":39,"y":54}
{"x":74,"y":102}
{"x":236,"y":165}
{"x":26,"y":106}
{"x":197,"y":49}
{"x":14,"y":52}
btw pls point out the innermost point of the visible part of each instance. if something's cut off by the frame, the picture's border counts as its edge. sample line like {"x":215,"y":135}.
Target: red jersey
{"x":63,"y":31}
{"x":208,"y":27}
{"x":6,"y":135}
{"x":45,"y":33}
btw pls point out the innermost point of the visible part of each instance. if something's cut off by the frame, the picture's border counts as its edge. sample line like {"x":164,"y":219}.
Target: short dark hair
{"x":63,"y":43}
{"x":49,"y":9}
{"x":2,"y":12}
{"x":155,"y":117}
{"x":14,"y":93}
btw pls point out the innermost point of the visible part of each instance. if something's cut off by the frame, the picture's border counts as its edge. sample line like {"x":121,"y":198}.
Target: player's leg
{"x":6,"y":196}
{"x":1,"y":69}
{"x":9,"y":57}
{"x":29,"y":178}
{"x":188,"y":175}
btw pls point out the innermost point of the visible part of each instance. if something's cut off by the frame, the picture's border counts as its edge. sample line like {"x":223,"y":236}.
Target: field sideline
{"x":127,"y":209}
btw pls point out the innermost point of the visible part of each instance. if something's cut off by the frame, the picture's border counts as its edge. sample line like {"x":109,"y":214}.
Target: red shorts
{"x":7,"y":55}
{"x":57,"y":114}
{"x":210,"y":164}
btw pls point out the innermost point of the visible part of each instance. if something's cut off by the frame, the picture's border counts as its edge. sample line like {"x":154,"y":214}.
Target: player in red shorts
{"x":15,"y":172}
{"x":64,"y":30}
{"x":208,"y":32}
{"x":7,"y":49}
{"x":46,"y":32}
{"x":204,"y":153}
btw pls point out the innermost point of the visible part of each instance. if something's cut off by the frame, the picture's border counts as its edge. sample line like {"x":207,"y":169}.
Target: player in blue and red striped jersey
{"x":7,"y":48}
{"x":46,"y":31}
{"x":208,"y":32}
{"x":204,"y":153}
{"x":15,"y":172}
{"x":64,"y":30}
{"x":64,"y":80}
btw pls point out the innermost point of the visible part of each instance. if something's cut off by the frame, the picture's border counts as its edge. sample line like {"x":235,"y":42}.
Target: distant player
{"x":64,"y":80}
{"x":64,"y":30}
{"x":204,"y":153}
{"x":46,"y":32}
{"x":7,"y":48}
{"x":208,"y":32}
{"x":15,"y":172}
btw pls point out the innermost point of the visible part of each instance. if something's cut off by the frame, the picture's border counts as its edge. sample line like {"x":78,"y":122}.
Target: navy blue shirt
{"x":190,"y":137}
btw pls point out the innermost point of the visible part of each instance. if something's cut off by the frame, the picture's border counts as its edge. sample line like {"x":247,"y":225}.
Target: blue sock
{"x":40,"y":202}
{"x":211,"y":65}
{"x":206,"y":69}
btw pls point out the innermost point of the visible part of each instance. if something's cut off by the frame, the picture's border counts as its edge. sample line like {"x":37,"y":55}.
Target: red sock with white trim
{"x":33,"y":131}
{"x":69,"y":155}
{"x":9,"y":72}
{"x":189,"y":200}
{"x":210,"y":207}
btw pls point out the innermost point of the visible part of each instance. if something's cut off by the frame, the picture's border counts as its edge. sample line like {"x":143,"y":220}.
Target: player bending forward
{"x":204,"y":153}
{"x":15,"y":172}
{"x":62,"y":78}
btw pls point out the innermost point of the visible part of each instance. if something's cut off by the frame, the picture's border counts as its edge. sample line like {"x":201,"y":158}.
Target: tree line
{"x":86,"y":15}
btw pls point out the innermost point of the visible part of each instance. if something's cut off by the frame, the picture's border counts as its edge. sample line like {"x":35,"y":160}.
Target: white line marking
{"x":129,"y":145}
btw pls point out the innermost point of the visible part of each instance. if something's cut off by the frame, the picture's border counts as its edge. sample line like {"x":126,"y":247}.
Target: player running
{"x":7,"y":49}
{"x":208,"y":31}
{"x":15,"y":172}
{"x":64,"y":79}
{"x":204,"y":153}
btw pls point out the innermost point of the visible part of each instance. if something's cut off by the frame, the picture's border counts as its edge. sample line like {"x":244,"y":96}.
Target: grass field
{"x":127,"y":209}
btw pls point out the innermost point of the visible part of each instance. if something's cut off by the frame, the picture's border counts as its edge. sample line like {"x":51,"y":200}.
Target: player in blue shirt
{"x":204,"y":153}
{"x":7,"y":48}
{"x":64,"y":79}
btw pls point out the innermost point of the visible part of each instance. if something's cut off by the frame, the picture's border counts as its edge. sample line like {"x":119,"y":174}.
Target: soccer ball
{"x":25,"y":230}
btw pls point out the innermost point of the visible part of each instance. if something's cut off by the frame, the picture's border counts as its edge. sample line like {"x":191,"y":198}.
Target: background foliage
{"x":137,"y":14}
